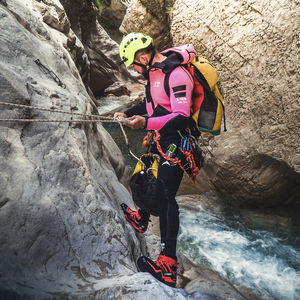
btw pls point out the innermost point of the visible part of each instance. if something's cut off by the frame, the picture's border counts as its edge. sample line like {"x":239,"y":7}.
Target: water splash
{"x":264,"y":262}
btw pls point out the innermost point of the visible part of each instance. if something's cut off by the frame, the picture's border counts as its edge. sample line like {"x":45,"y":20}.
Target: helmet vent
{"x":144,"y":40}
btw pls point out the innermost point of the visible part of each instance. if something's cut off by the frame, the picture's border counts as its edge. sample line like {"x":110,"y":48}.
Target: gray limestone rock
{"x":62,"y":229}
{"x":195,"y":279}
{"x":111,"y":17}
{"x":102,"y":51}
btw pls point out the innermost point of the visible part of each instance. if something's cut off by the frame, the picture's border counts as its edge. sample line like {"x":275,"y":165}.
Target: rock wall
{"x":103,"y":67}
{"x":255,"y":47}
{"x":62,"y":230}
{"x":149,"y":17}
{"x":111,"y":17}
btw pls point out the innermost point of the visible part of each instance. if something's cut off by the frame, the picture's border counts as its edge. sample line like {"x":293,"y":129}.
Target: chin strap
{"x":151,"y":60}
{"x":149,"y":65}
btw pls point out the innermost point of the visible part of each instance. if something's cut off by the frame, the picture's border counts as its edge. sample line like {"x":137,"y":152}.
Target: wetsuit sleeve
{"x":138,"y":109}
{"x":181,"y":89}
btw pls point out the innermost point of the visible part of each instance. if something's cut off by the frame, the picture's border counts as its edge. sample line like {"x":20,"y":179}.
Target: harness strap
{"x":188,"y":155}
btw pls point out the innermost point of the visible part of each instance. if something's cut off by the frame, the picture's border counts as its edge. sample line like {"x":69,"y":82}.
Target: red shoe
{"x":134,"y":218}
{"x":164,"y":268}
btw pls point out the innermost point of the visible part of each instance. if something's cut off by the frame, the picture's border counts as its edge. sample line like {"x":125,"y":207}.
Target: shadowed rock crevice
{"x":102,"y":68}
{"x":270,"y":182}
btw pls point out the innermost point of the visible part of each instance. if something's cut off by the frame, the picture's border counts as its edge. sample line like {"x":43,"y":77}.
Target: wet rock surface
{"x":117,"y":89}
{"x":194,"y":279}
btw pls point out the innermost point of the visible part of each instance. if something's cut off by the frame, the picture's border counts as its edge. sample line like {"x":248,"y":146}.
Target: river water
{"x":263,"y":261}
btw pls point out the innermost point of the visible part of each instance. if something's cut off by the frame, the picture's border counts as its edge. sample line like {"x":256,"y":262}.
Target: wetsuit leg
{"x":171,"y":177}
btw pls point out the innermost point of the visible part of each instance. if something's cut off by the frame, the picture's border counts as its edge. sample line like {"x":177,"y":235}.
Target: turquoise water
{"x":267,"y":263}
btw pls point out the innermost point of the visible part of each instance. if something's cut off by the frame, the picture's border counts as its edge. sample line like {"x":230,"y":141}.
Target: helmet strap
{"x":149,"y":65}
{"x":151,"y":59}
{"x":140,"y":65}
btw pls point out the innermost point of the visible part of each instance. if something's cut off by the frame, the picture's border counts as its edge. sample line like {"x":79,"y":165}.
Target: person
{"x":167,"y":115}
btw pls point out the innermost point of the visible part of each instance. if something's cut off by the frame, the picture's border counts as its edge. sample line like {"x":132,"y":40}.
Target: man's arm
{"x":133,"y":115}
{"x":138,"y":109}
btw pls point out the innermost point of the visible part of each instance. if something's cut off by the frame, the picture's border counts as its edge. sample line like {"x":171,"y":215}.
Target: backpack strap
{"x":199,"y":76}
{"x":166,"y":84}
{"x":148,"y":95}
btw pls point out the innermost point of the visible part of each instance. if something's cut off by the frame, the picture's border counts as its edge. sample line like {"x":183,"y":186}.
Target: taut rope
{"x":97,"y":118}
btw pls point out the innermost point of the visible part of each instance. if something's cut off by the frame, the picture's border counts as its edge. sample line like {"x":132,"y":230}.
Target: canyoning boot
{"x":135,"y":219}
{"x":164,"y":268}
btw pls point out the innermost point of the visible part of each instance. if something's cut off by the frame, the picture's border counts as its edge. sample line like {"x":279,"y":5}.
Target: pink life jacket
{"x":170,"y":111}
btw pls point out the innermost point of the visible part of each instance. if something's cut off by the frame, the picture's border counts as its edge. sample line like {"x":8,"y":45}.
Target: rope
{"x":53,"y":110}
{"x":127,"y":143}
{"x":99,"y":118}
{"x":57,"y":121}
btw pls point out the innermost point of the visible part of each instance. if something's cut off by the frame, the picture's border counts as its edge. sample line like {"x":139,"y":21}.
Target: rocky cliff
{"x":62,"y":233}
{"x":100,"y":68}
{"x":111,"y":17}
{"x":150,"y":17}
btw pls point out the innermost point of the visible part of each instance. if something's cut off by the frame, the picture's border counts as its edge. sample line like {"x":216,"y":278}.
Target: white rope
{"x":53,"y":110}
{"x":122,"y":121}
{"x":99,"y":118}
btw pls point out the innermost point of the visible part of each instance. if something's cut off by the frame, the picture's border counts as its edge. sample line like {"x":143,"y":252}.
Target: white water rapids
{"x":261,"y":261}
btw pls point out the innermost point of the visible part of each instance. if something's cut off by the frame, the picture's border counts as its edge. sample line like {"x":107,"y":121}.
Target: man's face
{"x":137,"y":68}
{"x":141,"y":59}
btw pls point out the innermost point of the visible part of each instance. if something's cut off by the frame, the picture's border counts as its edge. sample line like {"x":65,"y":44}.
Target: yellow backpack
{"x":209,"y":109}
{"x":208,"y":104}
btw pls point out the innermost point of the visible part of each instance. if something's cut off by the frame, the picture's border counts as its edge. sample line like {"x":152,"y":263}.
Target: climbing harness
{"x":51,"y":73}
{"x":187,"y":147}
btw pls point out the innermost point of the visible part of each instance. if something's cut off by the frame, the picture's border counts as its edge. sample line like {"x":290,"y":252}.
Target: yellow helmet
{"x":130,"y":44}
